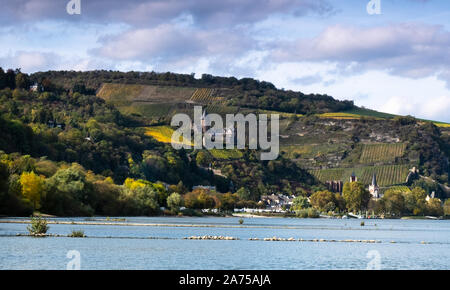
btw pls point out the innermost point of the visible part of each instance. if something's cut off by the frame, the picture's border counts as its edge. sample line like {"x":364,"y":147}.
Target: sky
{"x":395,"y":61}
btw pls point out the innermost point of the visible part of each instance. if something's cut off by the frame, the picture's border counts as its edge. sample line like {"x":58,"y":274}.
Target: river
{"x":160,"y":243}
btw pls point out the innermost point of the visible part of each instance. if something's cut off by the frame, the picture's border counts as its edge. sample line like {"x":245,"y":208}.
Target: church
{"x":374,"y":189}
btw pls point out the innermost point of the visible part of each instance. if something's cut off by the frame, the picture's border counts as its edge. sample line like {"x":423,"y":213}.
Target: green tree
{"x":174,"y":201}
{"x":415,"y":201}
{"x":300,"y":203}
{"x":229,"y":201}
{"x":339,"y":201}
{"x":22,"y":81}
{"x":394,"y":202}
{"x":356,"y":196}
{"x":243,"y":193}
{"x":69,"y":193}
{"x":147,"y":200}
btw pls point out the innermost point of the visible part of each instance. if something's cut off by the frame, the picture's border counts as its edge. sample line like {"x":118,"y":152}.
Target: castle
{"x":337,"y":185}
{"x":227,"y":134}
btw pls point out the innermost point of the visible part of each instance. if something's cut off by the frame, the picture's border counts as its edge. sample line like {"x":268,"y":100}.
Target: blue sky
{"x":397,"y":61}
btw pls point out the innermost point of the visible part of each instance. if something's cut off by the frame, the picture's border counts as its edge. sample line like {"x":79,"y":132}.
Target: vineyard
{"x":202,"y":95}
{"x":149,"y":110}
{"x":372,"y":153}
{"x":221,"y":109}
{"x":163,"y":134}
{"x":123,"y":94}
{"x":386,"y":174}
{"x":310,"y":150}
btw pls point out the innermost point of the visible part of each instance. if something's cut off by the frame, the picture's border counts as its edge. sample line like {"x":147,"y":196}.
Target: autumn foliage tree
{"x":32,"y":187}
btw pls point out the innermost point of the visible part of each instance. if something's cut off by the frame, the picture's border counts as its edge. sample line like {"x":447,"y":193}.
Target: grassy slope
{"x":164,"y":134}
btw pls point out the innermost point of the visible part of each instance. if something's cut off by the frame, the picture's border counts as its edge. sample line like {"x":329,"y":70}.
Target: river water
{"x":159,"y":243}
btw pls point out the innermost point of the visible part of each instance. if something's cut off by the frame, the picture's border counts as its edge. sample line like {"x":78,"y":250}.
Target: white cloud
{"x":411,"y":50}
{"x":427,"y":98}
{"x":29,"y":60}
{"x":169,"y":42}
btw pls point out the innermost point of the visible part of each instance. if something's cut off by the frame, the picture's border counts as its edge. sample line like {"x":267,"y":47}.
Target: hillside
{"x":115,"y":125}
{"x":330,"y":145}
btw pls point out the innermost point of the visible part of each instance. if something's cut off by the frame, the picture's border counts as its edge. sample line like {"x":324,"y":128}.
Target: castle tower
{"x":373,"y":187}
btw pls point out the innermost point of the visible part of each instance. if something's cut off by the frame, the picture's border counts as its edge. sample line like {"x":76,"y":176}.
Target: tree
{"x":447,"y":207}
{"x":394,"y":202}
{"x":190,"y":200}
{"x":323,"y":200}
{"x":32,"y":188}
{"x":174,"y":201}
{"x":243,"y":193}
{"x":4,"y":176}
{"x":22,"y":81}
{"x":415,"y":201}
{"x":147,"y":200}
{"x":10,"y":78}
{"x":2,"y":79}
{"x":180,"y":188}
{"x":434,"y":207}
{"x":229,"y":201}
{"x":356,"y":196}
{"x":205,"y":200}
{"x":203,"y":158}
{"x":339,"y":201}
{"x":299,"y":203}
{"x":69,"y":193}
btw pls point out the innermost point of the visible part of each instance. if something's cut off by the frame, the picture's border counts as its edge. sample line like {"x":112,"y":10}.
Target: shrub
{"x":77,"y":234}
{"x":38,"y":226}
{"x":312,"y":213}
{"x":303,"y":213}
{"x":308,"y":213}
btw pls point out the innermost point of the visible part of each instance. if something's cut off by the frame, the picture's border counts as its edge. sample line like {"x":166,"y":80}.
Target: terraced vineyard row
{"x":381,"y":152}
{"x":221,"y":109}
{"x":386,"y":174}
{"x":202,"y":95}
